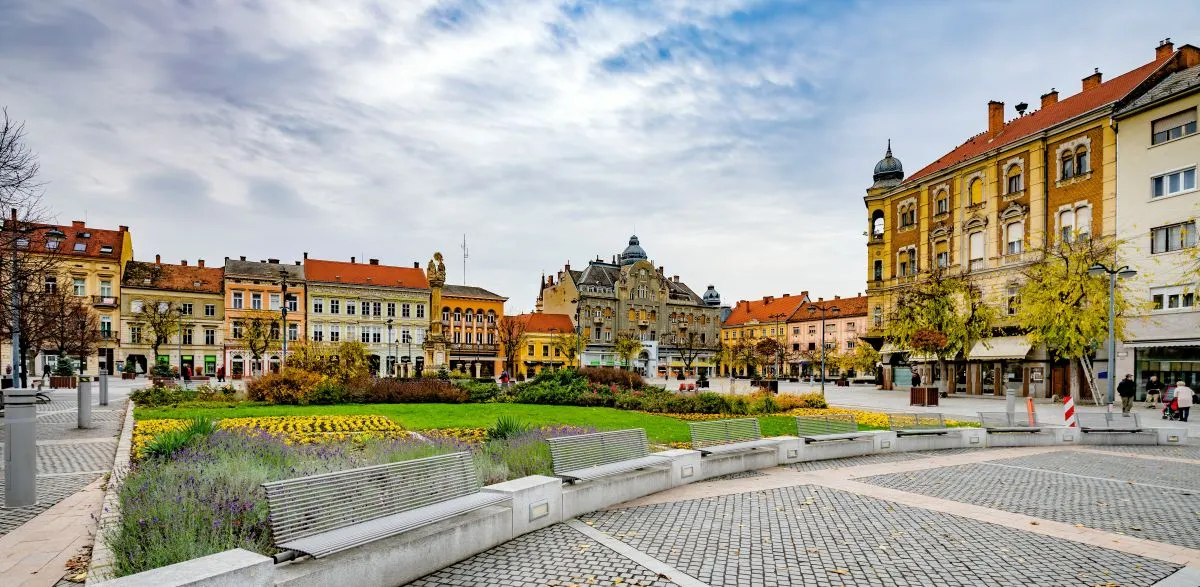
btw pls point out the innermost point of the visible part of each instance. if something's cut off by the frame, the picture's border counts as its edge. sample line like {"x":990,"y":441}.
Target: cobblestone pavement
{"x":557,"y":555}
{"x":887,"y":457}
{"x":1104,"y":500}
{"x":732,"y":476}
{"x":51,"y":490}
{"x":1190,"y":451}
{"x":811,"y":535}
{"x":1184,"y":476}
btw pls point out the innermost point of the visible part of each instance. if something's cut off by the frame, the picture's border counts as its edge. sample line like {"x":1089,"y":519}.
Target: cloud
{"x":735,"y":136}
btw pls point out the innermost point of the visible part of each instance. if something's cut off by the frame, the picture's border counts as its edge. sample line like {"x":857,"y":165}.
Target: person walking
{"x":1154,"y":390}
{"x":1183,"y":400}
{"x":1126,"y":388}
{"x":221,"y":374}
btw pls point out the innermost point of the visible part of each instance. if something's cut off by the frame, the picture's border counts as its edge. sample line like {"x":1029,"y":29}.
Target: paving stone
{"x":1190,"y":450}
{"x":1138,"y":470}
{"x":889,"y":457}
{"x":811,"y":535}
{"x":741,"y":475}
{"x":50,"y":490}
{"x":557,"y":555}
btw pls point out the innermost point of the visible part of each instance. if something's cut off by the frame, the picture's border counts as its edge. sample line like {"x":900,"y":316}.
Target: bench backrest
{"x":716,"y":432}
{"x":571,"y":453}
{"x":916,"y":421}
{"x":1006,"y":420}
{"x":311,"y":505}
{"x":1107,"y":420}
{"x":826,"y":424}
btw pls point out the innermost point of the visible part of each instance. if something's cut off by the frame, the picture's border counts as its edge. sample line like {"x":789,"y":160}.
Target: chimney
{"x":1165,"y":49}
{"x":273,"y":261}
{"x":1049,"y":98}
{"x":374,"y":261}
{"x":123,"y":228}
{"x":351,"y":259}
{"x":820,"y":299}
{"x":787,"y":295}
{"x":200,"y":263}
{"x":183,"y":262}
{"x":158,"y":259}
{"x":76,"y":224}
{"x":995,"y":117}
{"x":1092,"y":81}
{"x":768,"y":299}
{"x":243,"y":257}
{"x":416,"y":264}
{"x":297,"y":263}
{"x":837,"y":297}
{"x":675,"y":278}
{"x":305,"y":255}
{"x":567,"y":267}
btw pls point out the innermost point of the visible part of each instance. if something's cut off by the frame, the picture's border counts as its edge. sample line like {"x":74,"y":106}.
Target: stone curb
{"x":100,"y":567}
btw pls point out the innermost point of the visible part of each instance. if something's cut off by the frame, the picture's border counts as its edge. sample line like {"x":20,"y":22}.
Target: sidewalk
{"x":37,"y":541}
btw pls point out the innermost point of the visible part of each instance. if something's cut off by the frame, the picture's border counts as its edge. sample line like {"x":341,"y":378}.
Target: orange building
{"x":254,"y":288}
{"x":469,"y":319}
{"x":538,"y":352}
{"x":755,"y":320}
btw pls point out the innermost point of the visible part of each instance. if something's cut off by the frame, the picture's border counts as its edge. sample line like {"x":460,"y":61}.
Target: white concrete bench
{"x":602,"y":454}
{"x":917,"y":424}
{"x":829,"y":427}
{"x":1004,"y":422}
{"x":323,"y":514}
{"x":728,"y":436}
{"x":1107,"y":422}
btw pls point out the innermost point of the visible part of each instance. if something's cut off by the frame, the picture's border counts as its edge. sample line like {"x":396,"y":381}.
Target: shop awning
{"x":1144,"y":343}
{"x":1001,"y":347}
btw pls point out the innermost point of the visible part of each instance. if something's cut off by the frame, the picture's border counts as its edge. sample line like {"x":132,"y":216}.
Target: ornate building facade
{"x":631,"y":295}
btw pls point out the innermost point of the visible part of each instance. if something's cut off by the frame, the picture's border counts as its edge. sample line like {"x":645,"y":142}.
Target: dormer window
{"x":52,"y":244}
{"x":106,"y":249}
{"x":22,"y":243}
{"x":80,"y":247}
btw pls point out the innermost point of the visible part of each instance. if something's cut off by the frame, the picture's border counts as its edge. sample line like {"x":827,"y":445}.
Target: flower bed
{"x":467,"y":435}
{"x":872,"y":420}
{"x":290,"y":429}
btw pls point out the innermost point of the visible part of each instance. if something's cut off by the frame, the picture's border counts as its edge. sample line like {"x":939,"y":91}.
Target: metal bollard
{"x":20,"y":448}
{"x":104,"y":389}
{"x":1010,"y":400}
{"x":85,"y":404}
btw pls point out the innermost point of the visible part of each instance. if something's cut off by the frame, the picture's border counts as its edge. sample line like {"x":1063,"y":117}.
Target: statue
{"x":436,"y":272}
{"x":435,"y":343}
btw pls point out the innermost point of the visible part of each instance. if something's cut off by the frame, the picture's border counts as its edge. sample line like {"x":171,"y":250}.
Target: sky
{"x":736,"y":138}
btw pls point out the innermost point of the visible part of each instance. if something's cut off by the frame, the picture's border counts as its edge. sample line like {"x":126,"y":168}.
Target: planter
{"x":129,"y":376}
{"x":162,"y":380}
{"x":64,"y":382}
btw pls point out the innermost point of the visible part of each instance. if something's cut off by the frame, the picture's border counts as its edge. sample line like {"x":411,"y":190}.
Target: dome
{"x":711,"y":297}
{"x":889,"y":171}
{"x":633,"y":253}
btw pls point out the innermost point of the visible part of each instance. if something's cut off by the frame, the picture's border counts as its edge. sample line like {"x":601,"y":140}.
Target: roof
{"x":546,"y":323}
{"x":768,"y":309}
{"x":364,"y":274}
{"x":470,"y":291}
{"x":847,"y":307}
{"x":78,"y":240}
{"x":1178,"y":83}
{"x":261,"y":269}
{"x":680,"y":290}
{"x":165,"y":276}
{"x":599,"y":274}
{"x":1040,"y":120}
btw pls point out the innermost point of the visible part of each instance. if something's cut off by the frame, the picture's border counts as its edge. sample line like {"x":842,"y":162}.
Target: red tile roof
{"x":768,"y":309}
{"x":539,"y":323}
{"x":72,"y":241}
{"x":364,"y":274}
{"x":847,"y":308}
{"x":186,"y":278}
{"x":1025,"y":126}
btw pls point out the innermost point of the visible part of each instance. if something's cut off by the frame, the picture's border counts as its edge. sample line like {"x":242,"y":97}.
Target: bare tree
{"x":72,"y":328}
{"x":511,"y":333}
{"x":690,"y":347}
{"x":260,"y":332}
{"x":161,"y":320}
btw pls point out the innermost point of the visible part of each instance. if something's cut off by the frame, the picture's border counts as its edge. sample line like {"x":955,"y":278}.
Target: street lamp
{"x":179,"y":347}
{"x":812,"y":309}
{"x":391,"y":357}
{"x":14,"y":227}
{"x":1098,"y":270}
{"x":283,"y":334}
{"x":578,"y":333}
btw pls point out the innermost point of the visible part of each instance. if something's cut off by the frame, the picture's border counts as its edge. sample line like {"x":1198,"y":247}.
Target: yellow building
{"x":755,"y":320}
{"x":195,"y":293}
{"x":987,"y":207}
{"x":538,"y":353}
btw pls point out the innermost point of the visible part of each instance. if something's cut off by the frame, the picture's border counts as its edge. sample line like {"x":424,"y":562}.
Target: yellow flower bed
{"x":862,"y":417}
{"x":293,"y":429}
{"x":470,"y":435}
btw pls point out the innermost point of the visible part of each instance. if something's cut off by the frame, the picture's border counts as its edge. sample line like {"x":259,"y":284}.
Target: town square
{"x":861,"y":293}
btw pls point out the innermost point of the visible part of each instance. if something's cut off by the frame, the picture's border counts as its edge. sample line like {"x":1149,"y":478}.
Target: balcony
{"x":473,"y":348}
{"x":643,"y":323}
{"x":598,"y":319}
{"x":106,"y":334}
{"x":105,"y":301}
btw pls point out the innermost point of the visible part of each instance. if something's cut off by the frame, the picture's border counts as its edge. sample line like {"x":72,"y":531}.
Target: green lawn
{"x":424,"y":416}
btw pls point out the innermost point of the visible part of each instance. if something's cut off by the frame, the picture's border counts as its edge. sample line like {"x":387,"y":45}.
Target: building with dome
{"x":630,"y":294}
{"x":988,"y":208}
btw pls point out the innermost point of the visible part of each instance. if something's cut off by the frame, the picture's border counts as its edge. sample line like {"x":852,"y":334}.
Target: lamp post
{"x":1123,"y":272}
{"x":391,"y":357}
{"x":283,"y":286}
{"x":579,"y":346}
{"x":812,"y":309}
{"x":179,"y":347}
{"x":15,"y":280}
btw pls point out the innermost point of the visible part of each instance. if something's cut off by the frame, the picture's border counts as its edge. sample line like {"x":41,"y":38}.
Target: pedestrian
{"x":221,"y":374}
{"x":1168,"y":403}
{"x":504,"y":379}
{"x":1183,"y":400}
{"x":1126,"y":388}
{"x":916,"y":379}
{"x":1154,"y":389}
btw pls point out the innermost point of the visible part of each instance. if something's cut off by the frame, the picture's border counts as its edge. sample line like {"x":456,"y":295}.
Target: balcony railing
{"x":463,"y":347}
{"x":105,"y":301}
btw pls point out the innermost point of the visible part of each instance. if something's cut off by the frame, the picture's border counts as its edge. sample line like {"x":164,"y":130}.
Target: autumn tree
{"x":863,"y":359}
{"x":160,"y":319}
{"x":941,"y":315}
{"x":72,"y":328}
{"x":769,"y":352}
{"x":627,"y":346}
{"x":744,"y":353}
{"x":1065,"y":308}
{"x":259,"y":332}
{"x":511,"y":334}
{"x":570,"y":345}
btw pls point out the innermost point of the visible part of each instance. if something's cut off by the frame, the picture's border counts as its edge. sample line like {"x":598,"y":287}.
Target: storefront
{"x":1178,"y":362}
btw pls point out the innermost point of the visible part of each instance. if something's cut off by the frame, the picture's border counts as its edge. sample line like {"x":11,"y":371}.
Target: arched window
{"x":941,"y":202}
{"x":878,"y":271}
{"x":1083,"y":222}
{"x":975,"y":191}
{"x":1014,"y":179}
{"x":1015,"y":238}
{"x":1066,"y":225}
{"x":458,"y":314}
{"x":445,"y":314}
{"x":1081,"y":161}
{"x":1068,"y":165}
{"x":877,"y":224}
{"x":469,"y":316}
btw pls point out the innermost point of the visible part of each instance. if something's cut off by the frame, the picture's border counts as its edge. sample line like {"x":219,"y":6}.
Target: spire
{"x":889,"y":149}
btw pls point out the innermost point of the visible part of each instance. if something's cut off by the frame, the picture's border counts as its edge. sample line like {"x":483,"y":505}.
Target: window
{"x":106,"y":326}
{"x":975,"y":191}
{"x":186,"y":308}
{"x":556,"y":351}
{"x":293,"y":332}
{"x":318,"y":305}
{"x":1173,"y":127}
{"x":135,"y":334}
{"x":210,"y":310}
{"x":445,"y":314}
{"x":420,"y":310}
{"x":1172,"y":238}
{"x":106,"y":249}
{"x":335,"y":307}
{"x":1068,"y":165}
{"x":79,"y":286}
{"x":1066,"y":225}
{"x":470,"y":337}
{"x":351,"y":308}
{"x":908,"y":216}
{"x":391,"y":309}
{"x":335,"y":333}
{"x":210,"y":336}
{"x":237,"y":329}
{"x":106,"y":288}
{"x":318,"y":332}
{"x":405,"y":336}
{"x":376,"y":335}
{"x":878,"y":270}
{"x":256,"y":301}
{"x":52,"y":244}
{"x":530,"y":349}
{"x":366,"y":335}
{"x":1011,"y":305}
{"x":877,"y":316}
{"x":795,"y":331}
{"x":293,"y":304}
{"x":1081,"y":161}
{"x":405,"y":308}
{"x":877,"y":224}
{"x":376,"y":309}
{"x":1014,"y":180}
{"x":942,"y":203}
{"x":1173,"y":183}
{"x":274,"y":302}
{"x":812,"y":330}
{"x":237,"y":300}
{"x":135,"y":306}
{"x":187,"y":336}
{"x":22,"y":243}
{"x":1172,"y":298}
{"x":545,"y":350}
{"x":51,"y":284}
{"x":1083,"y":222}
{"x":975,"y":244}
{"x":941,"y":253}
{"x":1016,"y":238}
{"x":164,"y":306}
{"x":350,"y":332}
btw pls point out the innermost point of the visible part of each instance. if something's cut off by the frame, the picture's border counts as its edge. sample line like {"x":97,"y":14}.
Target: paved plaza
{"x":969,"y":517}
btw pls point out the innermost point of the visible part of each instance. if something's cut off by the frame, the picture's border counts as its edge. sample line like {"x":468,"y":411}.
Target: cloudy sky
{"x":735,"y":137}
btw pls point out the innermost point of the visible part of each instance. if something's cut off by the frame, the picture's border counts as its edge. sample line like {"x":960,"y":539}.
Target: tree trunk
{"x":1073,"y":381}
{"x":942,"y":389}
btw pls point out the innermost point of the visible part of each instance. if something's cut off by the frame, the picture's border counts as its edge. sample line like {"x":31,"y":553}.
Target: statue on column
{"x":435,"y":343}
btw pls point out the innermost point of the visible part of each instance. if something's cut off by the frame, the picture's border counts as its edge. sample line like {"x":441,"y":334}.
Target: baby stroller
{"x":1170,"y":406}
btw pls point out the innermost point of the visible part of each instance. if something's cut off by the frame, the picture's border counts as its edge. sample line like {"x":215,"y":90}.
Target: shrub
{"x":805,"y":400}
{"x":171,"y":442}
{"x":479,"y":391}
{"x":162,"y":395}
{"x":392,"y":390}
{"x":506,"y":427}
{"x":711,"y":403}
{"x":292,"y":386}
{"x":611,"y":376}
{"x":329,"y":392}
{"x":64,"y":367}
{"x":130,"y":366}
{"x":762,"y":402}
{"x":209,"y":393}
{"x":161,"y":369}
